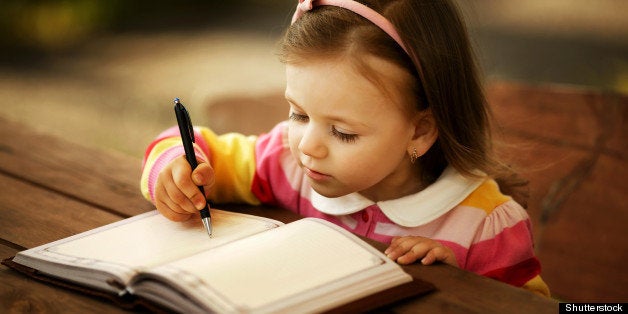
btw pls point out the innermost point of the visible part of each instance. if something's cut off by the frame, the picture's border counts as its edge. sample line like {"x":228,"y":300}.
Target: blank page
{"x":151,"y":239}
{"x":276,"y":264}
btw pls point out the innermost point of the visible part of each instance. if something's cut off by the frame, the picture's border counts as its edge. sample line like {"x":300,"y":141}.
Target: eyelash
{"x":347,"y":138}
{"x":298,"y":117}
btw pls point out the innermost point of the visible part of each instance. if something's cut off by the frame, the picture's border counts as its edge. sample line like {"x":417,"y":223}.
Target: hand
{"x":409,"y":249}
{"x":177,"y":196}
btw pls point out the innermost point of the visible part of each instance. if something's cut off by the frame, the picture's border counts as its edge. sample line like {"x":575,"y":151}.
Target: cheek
{"x":294,"y":137}
{"x":377,"y":159}
{"x":357,"y":161}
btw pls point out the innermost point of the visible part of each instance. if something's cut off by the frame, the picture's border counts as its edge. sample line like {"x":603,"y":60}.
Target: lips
{"x":315,"y":175}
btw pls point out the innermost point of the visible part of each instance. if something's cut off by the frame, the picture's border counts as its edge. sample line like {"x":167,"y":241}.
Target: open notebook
{"x":251,"y":264}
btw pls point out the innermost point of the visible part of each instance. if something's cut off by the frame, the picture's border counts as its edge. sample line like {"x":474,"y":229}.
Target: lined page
{"x":153,"y":239}
{"x":276,"y":264}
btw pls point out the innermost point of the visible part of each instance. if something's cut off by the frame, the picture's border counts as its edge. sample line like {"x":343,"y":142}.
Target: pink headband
{"x":356,"y":7}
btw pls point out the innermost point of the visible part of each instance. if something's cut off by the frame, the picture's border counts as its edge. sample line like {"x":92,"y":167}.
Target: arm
{"x":229,"y":157}
{"x":504,"y":249}
{"x":498,"y":243}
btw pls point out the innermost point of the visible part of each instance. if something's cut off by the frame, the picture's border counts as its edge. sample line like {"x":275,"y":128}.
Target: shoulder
{"x":486,"y":197}
{"x":273,"y":142}
{"x":278,"y":134}
{"x":504,"y":221}
{"x":499,"y":212}
{"x":274,"y":162}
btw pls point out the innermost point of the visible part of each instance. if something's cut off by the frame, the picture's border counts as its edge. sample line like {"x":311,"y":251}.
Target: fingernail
{"x":198,"y":178}
{"x":200,"y":204}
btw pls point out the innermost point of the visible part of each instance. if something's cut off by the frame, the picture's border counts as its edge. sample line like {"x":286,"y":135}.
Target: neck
{"x":403,"y":182}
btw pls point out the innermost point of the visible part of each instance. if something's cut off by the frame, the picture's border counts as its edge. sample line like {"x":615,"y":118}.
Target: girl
{"x":388,"y":136}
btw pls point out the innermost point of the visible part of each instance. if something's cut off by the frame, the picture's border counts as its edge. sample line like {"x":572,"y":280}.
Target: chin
{"x":329,"y":193}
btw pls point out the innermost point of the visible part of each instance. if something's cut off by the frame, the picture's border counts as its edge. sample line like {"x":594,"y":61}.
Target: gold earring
{"x":414,"y":156}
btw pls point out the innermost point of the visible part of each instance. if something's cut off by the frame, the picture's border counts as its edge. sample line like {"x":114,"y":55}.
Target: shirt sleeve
{"x":503,"y":249}
{"x":231,"y":155}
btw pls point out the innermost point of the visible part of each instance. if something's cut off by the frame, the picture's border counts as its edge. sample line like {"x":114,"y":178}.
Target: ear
{"x":425,"y":133}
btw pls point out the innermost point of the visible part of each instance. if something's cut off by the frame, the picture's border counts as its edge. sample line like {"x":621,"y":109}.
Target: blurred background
{"x":104,"y":73}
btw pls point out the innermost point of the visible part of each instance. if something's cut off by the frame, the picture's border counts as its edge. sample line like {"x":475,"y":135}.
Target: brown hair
{"x":440,"y":59}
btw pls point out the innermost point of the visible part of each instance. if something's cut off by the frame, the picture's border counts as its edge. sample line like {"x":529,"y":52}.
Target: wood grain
{"x":31,"y":216}
{"x":570,"y":143}
{"x":106,"y":180}
{"x":19,"y":294}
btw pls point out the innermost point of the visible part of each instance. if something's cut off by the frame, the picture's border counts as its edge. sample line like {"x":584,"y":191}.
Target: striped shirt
{"x":489,"y":233}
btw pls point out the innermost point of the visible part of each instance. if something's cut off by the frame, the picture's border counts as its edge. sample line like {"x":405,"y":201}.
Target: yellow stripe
{"x":486,"y":197}
{"x":231,"y":155}
{"x":233,"y":159}
{"x":538,"y":286}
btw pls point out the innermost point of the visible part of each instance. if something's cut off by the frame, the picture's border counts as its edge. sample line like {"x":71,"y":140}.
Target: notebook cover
{"x":398,"y":293}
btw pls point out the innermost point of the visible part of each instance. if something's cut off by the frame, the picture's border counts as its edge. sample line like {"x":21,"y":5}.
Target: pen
{"x":187,"y":135}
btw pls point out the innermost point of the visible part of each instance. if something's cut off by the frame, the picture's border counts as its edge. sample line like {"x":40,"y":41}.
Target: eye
{"x":347,"y":138}
{"x":298,"y":117}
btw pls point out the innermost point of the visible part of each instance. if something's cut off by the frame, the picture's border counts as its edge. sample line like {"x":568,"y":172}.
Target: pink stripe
{"x":518,"y":274}
{"x":504,"y":216}
{"x":380,"y":237}
{"x":268,"y":152}
{"x":513,"y":245}
{"x":277,"y":174}
{"x":457,"y":226}
{"x":170,"y":132}
{"x":162,"y":161}
{"x":174,"y":132}
{"x":163,"y":135}
{"x":459,"y":251}
{"x":199,"y":140}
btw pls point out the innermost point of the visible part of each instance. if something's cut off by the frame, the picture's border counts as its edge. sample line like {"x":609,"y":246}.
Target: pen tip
{"x":208,"y":226}
{"x":176,"y":100}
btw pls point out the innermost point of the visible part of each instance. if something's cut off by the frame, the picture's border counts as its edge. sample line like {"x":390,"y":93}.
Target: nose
{"x":312,"y":142}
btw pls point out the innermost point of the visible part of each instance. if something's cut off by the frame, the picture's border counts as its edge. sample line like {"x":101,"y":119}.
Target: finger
{"x":441,"y":254}
{"x":203,"y":175}
{"x":162,"y":196}
{"x":416,"y":252}
{"x":182,"y":177}
{"x":167,"y":212}
{"x":401,"y":247}
{"x":175,"y":195}
{"x":394,"y":242}
{"x":168,"y":208}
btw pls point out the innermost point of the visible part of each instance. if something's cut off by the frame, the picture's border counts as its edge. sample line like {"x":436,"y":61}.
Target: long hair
{"x":439,"y":58}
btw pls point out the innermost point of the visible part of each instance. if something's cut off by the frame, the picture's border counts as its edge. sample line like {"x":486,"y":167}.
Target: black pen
{"x":187,"y":135}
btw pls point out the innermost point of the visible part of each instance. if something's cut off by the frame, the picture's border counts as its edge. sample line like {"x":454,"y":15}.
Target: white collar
{"x":413,"y":210}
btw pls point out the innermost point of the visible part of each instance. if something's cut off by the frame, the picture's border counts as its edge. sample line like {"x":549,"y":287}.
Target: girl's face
{"x":350,"y":135}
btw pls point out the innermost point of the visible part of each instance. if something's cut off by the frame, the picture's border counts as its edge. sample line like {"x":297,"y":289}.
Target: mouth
{"x":315,"y":175}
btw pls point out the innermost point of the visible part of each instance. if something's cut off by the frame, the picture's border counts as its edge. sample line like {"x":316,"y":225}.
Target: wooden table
{"x":51,"y":188}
